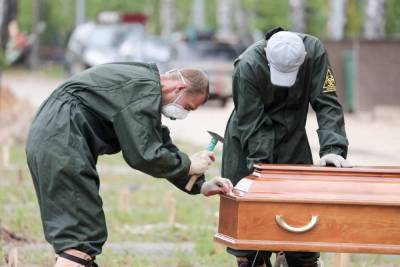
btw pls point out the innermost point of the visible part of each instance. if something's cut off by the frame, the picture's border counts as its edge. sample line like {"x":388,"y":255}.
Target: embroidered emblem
{"x":329,"y":84}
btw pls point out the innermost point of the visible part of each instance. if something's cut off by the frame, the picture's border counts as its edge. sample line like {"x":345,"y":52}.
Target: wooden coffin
{"x":309,"y":208}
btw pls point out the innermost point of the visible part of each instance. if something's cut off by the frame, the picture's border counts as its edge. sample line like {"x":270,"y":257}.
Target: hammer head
{"x":216,"y":136}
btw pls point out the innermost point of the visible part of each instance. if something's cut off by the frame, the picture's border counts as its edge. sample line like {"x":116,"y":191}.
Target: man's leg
{"x":302,"y":259}
{"x":251,"y":258}
{"x":63,"y":261}
{"x":67,"y":186}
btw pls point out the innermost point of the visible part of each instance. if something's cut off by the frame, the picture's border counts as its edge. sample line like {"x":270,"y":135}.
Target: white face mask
{"x":174,"y":110}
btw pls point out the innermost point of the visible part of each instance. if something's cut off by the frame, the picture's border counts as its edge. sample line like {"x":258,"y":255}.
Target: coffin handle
{"x":281,"y":222}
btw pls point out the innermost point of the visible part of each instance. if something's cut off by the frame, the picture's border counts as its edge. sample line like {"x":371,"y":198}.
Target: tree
{"x":354,"y":18}
{"x":198,"y":14}
{"x":242,"y":19}
{"x":297,"y":15}
{"x":167,"y":17}
{"x":374,"y":27}
{"x":224,"y":21}
{"x":337,"y":19}
{"x":268,"y":14}
{"x":8,"y":13}
{"x":36,"y":18}
{"x":80,"y":6}
{"x":392,"y":17}
{"x":317,"y":17}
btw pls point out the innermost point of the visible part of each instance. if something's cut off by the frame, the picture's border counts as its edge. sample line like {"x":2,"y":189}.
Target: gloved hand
{"x":216,"y":185}
{"x":200,"y":162}
{"x":335,"y":160}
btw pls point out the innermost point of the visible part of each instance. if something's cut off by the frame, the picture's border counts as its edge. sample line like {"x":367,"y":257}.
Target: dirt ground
{"x":374,"y":136}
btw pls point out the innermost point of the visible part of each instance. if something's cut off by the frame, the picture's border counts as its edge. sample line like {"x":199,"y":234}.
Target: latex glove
{"x":216,"y":185}
{"x":200,"y":162}
{"x":335,"y":160}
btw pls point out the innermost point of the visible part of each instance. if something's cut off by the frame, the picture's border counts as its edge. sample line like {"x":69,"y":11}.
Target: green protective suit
{"x":268,"y":122}
{"x":104,"y":110}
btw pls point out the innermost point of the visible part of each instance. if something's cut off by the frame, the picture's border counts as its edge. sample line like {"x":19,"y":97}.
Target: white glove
{"x":335,"y":160}
{"x":200,"y":162}
{"x":216,"y":185}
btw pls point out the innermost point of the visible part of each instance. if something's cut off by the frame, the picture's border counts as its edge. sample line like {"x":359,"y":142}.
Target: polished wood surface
{"x":358,"y":210}
{"x":310,"y":169}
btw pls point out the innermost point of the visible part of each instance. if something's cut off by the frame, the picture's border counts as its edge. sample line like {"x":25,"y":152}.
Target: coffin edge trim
{"x":272,"y":245}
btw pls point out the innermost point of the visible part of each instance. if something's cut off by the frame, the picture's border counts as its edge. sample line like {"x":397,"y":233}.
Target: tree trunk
{"x":224,"y":22}
{"x":167,"y":17}
{"x":36,"y":14}
{"x":337,"y":19}
{"x":241,"y":21}
{"x":8,"y":13}
{"x":79,"y":12}
{"x":198,"y":14}
{"x":374,"y":27}
{"x":298,"y":19}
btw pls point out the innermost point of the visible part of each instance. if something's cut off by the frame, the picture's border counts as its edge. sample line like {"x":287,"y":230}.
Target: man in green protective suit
{"x":106,"y":109}
{"x":274,"y":82}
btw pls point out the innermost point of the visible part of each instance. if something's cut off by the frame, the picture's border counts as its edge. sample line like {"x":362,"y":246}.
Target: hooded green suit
{"x":104,"y":110}
{"x":268,"y":122}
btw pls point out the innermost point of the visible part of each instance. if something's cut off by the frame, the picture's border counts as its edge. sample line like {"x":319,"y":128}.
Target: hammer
{"x":211,"y":146}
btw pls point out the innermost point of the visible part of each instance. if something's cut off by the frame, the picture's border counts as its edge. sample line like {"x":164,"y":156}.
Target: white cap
{"x":285,"y":53}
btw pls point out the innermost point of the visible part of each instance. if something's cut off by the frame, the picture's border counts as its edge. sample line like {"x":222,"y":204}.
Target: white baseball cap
{"x":285,"y":53}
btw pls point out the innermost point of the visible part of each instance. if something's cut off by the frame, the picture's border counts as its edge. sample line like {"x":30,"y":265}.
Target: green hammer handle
{"x":212,"y":144}
{"x":193,"y":179}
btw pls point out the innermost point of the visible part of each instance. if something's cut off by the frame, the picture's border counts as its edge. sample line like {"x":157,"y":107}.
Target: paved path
{"x":29,"y":85}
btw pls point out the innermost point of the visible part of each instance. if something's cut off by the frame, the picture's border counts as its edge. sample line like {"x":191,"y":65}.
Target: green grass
{"x":143,"y":218}
{"x":146,"y":199}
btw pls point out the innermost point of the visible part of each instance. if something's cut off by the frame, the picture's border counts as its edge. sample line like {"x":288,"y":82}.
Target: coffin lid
{"x":312,"y":184}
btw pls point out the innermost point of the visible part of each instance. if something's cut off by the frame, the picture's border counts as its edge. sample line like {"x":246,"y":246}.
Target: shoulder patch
{"x":329,"y":84}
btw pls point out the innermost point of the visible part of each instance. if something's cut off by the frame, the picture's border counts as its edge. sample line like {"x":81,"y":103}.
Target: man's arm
{"x":331,"y":132}
{"x":138,"y":128}
{"x":181,"y":182}
{"x":254,"y":125}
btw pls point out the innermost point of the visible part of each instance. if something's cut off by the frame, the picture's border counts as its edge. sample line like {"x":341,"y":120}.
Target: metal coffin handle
{"x":281,"y":222}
